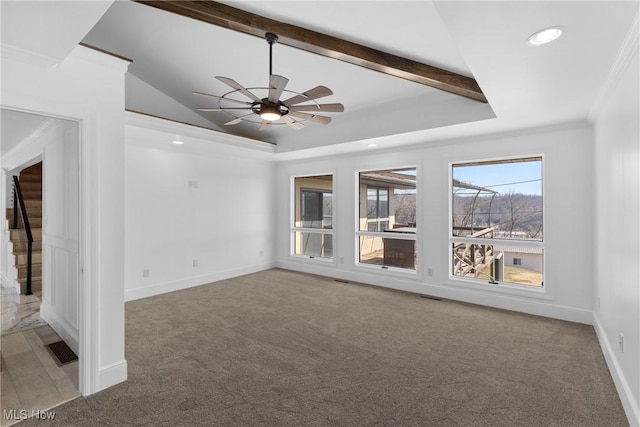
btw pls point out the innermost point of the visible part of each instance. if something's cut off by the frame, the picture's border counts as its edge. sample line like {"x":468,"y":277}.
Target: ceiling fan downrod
{"x":271,"y":39}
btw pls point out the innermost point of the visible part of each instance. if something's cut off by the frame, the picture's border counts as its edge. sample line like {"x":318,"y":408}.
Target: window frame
{"x":293,"y":229}
{"x":358,"y":233}
{"x":542,"y":292}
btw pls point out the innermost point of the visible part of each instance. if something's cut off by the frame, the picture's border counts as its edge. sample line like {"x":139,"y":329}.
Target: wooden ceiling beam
{"x":322,"y":44}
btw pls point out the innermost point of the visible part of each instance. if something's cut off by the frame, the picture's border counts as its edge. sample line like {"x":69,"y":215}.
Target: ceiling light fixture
{"x":270,"y":112}
{"x":373,"y":144}
{"x":545,"y":36}
{"x":178,"y":141}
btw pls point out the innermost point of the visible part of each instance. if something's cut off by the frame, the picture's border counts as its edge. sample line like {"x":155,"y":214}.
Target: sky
{"x":504,"y":178}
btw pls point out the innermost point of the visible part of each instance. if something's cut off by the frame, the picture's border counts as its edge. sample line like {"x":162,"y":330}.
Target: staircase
{"x":31,"y":186}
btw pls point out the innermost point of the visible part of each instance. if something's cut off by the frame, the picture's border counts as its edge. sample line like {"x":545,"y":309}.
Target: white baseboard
{"x":111,"y":375}
{"x":163,"y":288}
{"x":501,"y":301}
{"x":630,"y":406}
{"x":68,"y":334}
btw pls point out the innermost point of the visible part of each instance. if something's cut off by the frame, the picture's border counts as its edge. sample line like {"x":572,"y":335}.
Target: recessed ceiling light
{"x":178,"y":141}
{"x":373,"y":144}
{"x":545,"y":36}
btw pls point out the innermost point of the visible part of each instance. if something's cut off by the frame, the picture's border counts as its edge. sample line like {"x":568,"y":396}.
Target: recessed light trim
{"x":178,"y":141}
{"x":544,"y":36}
{"x":373,"y":144}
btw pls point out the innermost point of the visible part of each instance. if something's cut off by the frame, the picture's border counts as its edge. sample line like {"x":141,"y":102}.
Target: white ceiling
{"x":526,"y":87}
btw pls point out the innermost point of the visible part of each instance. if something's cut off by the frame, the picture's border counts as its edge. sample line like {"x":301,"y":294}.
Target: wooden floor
{"x":31,"y":379}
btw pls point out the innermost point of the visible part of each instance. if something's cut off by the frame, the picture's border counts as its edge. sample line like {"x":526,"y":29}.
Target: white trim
{"x":176,"y":285}
{"x":630,"y":406}
{"x":506,"y":288}
{"x":24,"y":56}
{"x":292,"y":220}
{"x":629,"y":47}
{"x":472,"y":296}
{"x":192,"y":131}
{"x":113,"y":374}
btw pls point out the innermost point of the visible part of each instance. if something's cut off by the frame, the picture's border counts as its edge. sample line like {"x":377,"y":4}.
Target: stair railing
{"x":17,"y":196}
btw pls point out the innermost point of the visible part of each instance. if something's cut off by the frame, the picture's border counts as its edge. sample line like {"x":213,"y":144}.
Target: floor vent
{"x":62,"y":353}
{"x":341,"y":281}
{"x":430,"y":297}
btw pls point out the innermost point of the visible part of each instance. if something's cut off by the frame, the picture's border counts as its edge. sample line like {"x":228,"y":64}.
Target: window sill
{"x":397,"y":271}
{"x":500,"y":288}
{"x":311,"y":258}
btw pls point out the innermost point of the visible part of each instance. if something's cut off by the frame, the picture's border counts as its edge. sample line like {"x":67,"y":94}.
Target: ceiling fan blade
{"x":238,"y":119}
{"x":265,"y":125}
{"x":311,"y":117}
{"x":221,"y":98}
{"x":311,"y":94}
{"x":234,"y":84}
{"x":333,"y":108}
{"x":276,"y":86}
{"x":292,"y":123}
{"x":223,"y":109}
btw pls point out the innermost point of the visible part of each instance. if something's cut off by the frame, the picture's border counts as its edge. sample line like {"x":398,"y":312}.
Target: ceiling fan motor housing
{"x":268,"y":107}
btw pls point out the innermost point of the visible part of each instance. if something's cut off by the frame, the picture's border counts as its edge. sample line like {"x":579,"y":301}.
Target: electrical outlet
{"x":195,"y":262}
{"x":261,"y":253}
{"x":429,"y":271}
{"x":621,"y":341}
{"x":341,"y":260}
{"x":145,"y":272}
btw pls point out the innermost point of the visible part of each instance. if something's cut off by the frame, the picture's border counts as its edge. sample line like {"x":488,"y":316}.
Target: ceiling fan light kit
{"x":272,"y":109}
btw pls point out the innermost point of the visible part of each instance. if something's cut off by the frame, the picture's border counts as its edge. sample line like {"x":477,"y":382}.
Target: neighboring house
{"x":521,"y":257}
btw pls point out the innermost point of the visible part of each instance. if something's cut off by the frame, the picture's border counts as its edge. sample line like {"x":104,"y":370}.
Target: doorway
{"x":31,"y":349}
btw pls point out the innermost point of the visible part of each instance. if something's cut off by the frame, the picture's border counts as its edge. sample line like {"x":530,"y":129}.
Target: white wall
{"x":568,"y":202}
{"x":88,"y":87}
{"x":183,"y":203}
{"x":616,"y":253}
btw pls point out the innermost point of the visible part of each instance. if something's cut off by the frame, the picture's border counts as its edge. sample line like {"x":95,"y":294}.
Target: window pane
{"x":387,"y":207}
{"x":372,"y":203}
{"x":314,"y":202}
{"x":389,"y":198}
{"x":313,"y":244}
{"x":311,"y":209}
{"x":498,"y":199}
{"x":499,"y":263}
{"x":386,"y":251}
{"x":383,"y":203}
{"x":313,"y":198}
{"x":327,"y":210}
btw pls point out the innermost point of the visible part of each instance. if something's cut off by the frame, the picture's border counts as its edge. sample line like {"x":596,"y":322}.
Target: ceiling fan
{"x":271,"y":109}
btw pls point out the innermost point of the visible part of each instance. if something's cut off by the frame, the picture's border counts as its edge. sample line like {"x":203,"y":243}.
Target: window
{"x":312,"y":230}
{"x":386,"y":235}
{"x":496,"y":216}
{"x":377,"y":209}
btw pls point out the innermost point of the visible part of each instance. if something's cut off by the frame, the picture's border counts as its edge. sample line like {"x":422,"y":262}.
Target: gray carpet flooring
{"x":279,"y":348}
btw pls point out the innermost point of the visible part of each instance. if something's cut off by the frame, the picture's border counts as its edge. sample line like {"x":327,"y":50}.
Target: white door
{"x":60,"y":234}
